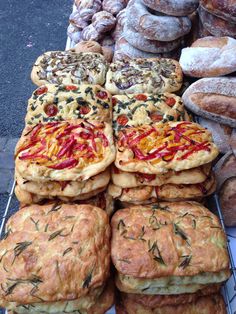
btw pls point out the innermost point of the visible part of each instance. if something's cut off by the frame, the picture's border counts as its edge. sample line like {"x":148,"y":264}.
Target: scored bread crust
{"x":213,"y":98}
{"x":32,"y":170}
{"x":225,"y":9}
{"x":127,"y":161}
{"x":69,"y":67}
{"x":75,"y":241}
{"x":69,"y":102}
{"x":130,"y":76}
{"x":131,"y":180}
{"x":168,"y":239}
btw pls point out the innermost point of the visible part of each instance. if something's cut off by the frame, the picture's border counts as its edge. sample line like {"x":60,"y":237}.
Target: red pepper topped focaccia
{"x":158,"y":148}
{"x":69,"y":150}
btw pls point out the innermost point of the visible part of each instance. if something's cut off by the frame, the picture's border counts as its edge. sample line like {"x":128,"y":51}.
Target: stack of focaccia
{"x":170,"y":258}
{"x":67,"y":145}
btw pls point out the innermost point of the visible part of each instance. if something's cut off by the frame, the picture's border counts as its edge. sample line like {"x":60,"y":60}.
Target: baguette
{"x":213,"y":98}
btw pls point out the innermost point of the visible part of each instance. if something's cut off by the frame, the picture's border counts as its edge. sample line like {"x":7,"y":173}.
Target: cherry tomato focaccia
{"x":70,"y":150}
{"x":157,"y":148}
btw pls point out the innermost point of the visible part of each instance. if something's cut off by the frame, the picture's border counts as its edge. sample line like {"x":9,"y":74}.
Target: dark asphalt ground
{"x":28,"y":28}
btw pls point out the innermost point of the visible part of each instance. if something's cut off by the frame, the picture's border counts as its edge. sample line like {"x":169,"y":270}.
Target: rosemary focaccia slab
{"x":135,"y":179}
{"x":204,"y":305}
{"x":134,"y":110}
{"x":64,"y":151}
{"x":144,"y":76}
{"x":75,"y":241}
{"x":168,"y":248}
{"x":53,"y":102}
{"x":69,"y":67}
{"x":158,"y":148}
{"x":166,"y":192}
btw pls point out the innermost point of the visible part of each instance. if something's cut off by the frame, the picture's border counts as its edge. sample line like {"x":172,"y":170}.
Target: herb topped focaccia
{"x":55,"y":258}
{"x":168,"y":248}
{"x":139,"y":109}
{"x":68,"y":67}
{"x":63,"y":151}
{"x":144,"y":76}
{"x":53,"y":102}
{"x":157,"y":148}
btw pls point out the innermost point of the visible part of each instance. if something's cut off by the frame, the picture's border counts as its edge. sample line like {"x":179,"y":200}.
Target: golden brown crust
{"x":88,"y":143}
{"x":173,"y":239}
{"x":74,"y":240}
{"x":155,"y":149}
{"x":204,"y":305}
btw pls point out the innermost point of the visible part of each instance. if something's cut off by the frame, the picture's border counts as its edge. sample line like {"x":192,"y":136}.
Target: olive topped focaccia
{"x":157,"y":148}
{"x":68,"y":67}
{"x":62,"y":151}
{"x":53,"y":102}
{"x":134,"y":110}
{"x":144,"y":76}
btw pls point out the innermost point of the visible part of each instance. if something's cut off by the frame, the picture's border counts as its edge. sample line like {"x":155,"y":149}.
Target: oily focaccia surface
{"x":68,"y":67}
{"x":53,"y":102}
{"x":168,"y":239}
{"x":204,"y":305}
{"x":74,"y":240}
{"x":157,"y":148}
{"x":166,"y":192}
{"x":139,"y":109}
{"x":132,"y":180}
{"x":144,"y":76}
{"x":63,"y":151}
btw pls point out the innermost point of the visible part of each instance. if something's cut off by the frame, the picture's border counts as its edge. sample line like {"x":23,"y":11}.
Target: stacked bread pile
{"x":169,"y":258}
{"x":67,"y":145}
{"x":154,"y":28}
{"x":217,"y":18}
{"x":160,"y":154}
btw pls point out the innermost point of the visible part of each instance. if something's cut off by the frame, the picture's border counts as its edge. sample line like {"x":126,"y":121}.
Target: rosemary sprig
{"x":140,"y":237}
{"x":186,"y":261}
{"x":55,"y":234}
{"x":34,"y":281}
{"x":194,"y":223}
{"x":3,"y":255}
{"x":55,"y":207}
{"x":35,"y":223}
{"x":124,"y":260}
{"x":153,"y":248}
{"x":9,"y":231}
{"x":180,"y":232}
{"x":46,"y":228}
{"x":67,"y":251}
{"x":87,"y":280}
{"x":19,"y":248}
{"x":121,"y":224}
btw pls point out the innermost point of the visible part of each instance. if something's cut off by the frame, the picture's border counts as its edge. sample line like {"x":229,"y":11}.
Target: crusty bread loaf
{"x":156,"y":26}
{"x":222,"y":8}
{"x":88,"y":46}
{"x":209,"y":56}
{"x":213,"y":98}
{"x":173,"y":7}
{"x":90,"y":33}
{"x":113,"y":6}
{"x":88,"y":8}
{"x":226,"y":185}
{"x":216,"y":25}
{"x":103,"y":21}
{"x":76,"y":20}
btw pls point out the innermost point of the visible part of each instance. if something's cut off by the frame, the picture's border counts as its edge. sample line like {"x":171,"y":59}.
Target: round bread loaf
{"x":113,"y":6}
{"x":88,"y":8}
{"x":103,"y":21}
{"x":138,"y":41}
{"x":216,"y":25}
{"x":213,"y":98}
{"x":225,"y":9}
{"x":156,"y":26}
{"x":209,"y":56}
{"x":90,"y":33}
{"x":87,"y":46}
{"x":76,"y":20}
{"x":173,"y":7}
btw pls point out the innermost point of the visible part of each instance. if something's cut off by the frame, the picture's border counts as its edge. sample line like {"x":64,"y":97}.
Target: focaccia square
{"x":63,"y":151}
{"x":135,"y":179}
{"x":135,"y":110}
{"x":158,"y":148}
{"x":69,"y":67}
{"x":136,"y":76}
{"x":53,"y":102}
{"x":54,"y":256}
{"x":204,"y":305}
{"x":168,"y":248}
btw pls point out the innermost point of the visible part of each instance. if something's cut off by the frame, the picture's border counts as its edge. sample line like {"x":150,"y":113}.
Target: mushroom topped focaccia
{"x":144,"y":76}
{"x":55,"y":258}
{"x":139,"y":109}
{"x":66,"y":67}
{"x":62,"y":151}
{"x":157,"y":148}
{"x":53,"y":102}
{"x":168,"y":248}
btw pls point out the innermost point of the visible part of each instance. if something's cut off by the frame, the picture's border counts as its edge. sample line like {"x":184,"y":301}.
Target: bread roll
{"x":113,"y":6}
{"x":225,"y":9}
{"x":213,"y":98}
{"x":173,"y":7}
{"x":103,"y":21}
{"x":88,"y":46}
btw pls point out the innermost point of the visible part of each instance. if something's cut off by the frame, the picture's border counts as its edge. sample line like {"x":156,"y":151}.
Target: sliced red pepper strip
{"x":68,"y":163}
{"x":196,"y":148}
{"x":104,"y":139}
{"x":141,"y":136}
{"x":67,"y":148}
